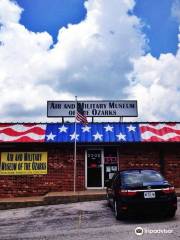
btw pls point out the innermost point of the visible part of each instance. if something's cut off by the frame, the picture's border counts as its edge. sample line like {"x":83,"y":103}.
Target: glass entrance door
{"x":94,"y":168}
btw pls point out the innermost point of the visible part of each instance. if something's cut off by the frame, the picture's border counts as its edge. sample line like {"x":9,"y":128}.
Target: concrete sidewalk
{"x":52,"y":198}
{"x":55,"y":198}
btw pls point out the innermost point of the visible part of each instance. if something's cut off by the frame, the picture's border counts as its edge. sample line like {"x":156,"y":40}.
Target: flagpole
{"x":75,"y":144}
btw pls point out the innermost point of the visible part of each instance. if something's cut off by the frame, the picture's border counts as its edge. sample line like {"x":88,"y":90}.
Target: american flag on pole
{"x":80,"y":116}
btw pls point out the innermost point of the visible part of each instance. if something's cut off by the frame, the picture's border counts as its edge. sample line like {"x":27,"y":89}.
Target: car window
{"x":141,"y":177}
{"x":151,"y":176}
{"x":131,"y":178}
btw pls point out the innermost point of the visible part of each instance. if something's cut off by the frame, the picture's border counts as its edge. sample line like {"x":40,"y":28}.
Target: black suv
{"x":141,"y":191}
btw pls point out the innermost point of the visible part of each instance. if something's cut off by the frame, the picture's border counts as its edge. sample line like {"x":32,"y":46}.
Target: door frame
{"x":102,"y":168}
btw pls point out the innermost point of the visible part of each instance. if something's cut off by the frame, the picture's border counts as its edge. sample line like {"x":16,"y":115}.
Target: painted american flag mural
{"x":22,"y":132}
{"x":91,"y":133}
{"x":160,"y":132}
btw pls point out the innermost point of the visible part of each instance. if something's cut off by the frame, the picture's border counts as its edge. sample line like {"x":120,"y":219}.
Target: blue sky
{"x":160,"y":27}
{"x":51,"y":15}
{"x":93,"y":49}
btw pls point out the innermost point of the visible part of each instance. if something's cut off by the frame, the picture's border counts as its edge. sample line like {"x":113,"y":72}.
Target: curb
{"x":71,"y":199}
{"x":53,"y":200}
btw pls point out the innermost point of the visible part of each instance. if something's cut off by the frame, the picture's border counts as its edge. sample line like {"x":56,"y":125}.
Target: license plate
{"x":149,"y":195}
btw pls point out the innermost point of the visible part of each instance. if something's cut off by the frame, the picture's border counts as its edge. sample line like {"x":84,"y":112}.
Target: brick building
{"x":39,"y":158}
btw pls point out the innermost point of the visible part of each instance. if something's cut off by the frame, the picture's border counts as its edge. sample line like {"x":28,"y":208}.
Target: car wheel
{"x":116,"y":210}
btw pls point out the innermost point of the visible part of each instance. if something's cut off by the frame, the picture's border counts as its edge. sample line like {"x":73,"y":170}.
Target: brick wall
{"x":139,"y":156}
{"x":59,"y":178}
{"x":172,"y":165}
{"x":161,"y":157}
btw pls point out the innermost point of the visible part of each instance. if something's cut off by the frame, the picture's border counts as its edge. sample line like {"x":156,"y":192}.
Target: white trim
{"x":94,"y":188}
{"x":102,"y":168}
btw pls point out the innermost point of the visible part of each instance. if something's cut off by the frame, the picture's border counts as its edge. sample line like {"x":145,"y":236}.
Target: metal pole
{"x":121,"y":119}
{"x":75,"y":144}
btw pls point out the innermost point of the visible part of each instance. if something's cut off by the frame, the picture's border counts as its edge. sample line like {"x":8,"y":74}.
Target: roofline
{"x":67,"y":122}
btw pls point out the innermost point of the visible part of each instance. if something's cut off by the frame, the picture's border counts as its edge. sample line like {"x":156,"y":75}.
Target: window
{"x":141,"y":177}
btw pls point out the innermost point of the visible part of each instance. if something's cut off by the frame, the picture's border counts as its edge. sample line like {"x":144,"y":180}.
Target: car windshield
{"x":140,"y":178}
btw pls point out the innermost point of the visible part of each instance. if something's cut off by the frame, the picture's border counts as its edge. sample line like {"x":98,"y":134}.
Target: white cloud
{"x":90,"y":59}
{"x":23,"y":61}
{"x":96,"y":52}
{"x":10,"y":12}
{"x":156,"y":85}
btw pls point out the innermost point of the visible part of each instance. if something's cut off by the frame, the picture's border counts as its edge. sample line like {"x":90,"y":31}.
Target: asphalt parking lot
{"x":81,"y":221}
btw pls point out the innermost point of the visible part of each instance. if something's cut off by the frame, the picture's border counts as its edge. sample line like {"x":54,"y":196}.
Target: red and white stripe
{"x":22,"y":132}
{"x":160,"y":132}
{"x":81,"y":118}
